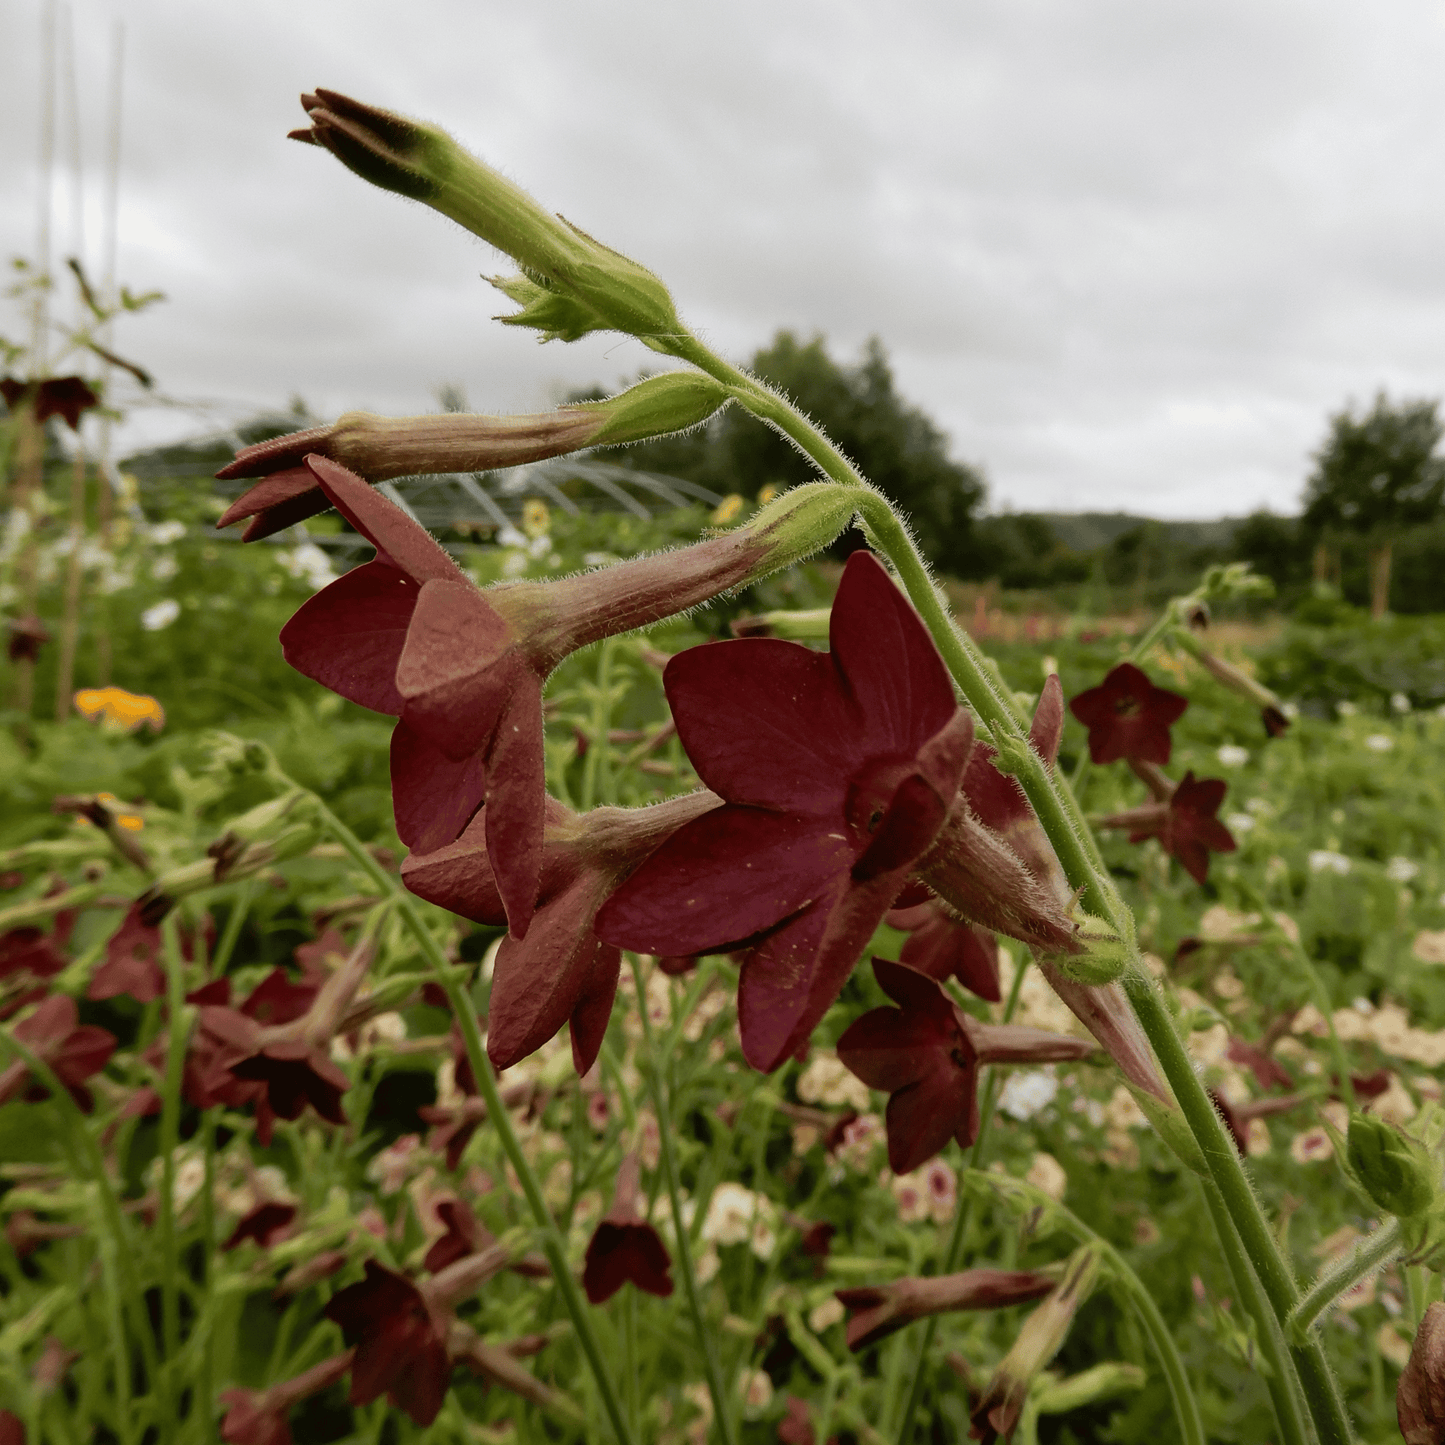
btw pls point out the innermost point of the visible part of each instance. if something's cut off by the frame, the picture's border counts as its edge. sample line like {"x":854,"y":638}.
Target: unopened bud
{"x":426,"y":164}
{"x":1395,"y":1170}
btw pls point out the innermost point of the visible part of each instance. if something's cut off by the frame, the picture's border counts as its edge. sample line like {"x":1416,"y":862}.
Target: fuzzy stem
{"x":463,"y":1009}
{"x":1368,"y":1255}
{"x":661,"y":1104}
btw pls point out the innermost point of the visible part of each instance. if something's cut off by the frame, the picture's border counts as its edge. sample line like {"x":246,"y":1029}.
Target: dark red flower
{"x":276,"y":1000}
{"x":74,"y":1052}
{"x":132,"y":962}
{"x":295,"y":1073}
{"x":837,"y":768}
{"x":63,"y":396}
{"x":1238,"y":1117}
{"x":880,"y":1310}
{"x":926,"y":1055}
{"x":1268,"y":1072}
{"x":625,"y":1247}
{"x":465,"y":1235}
{"x":267,"y":1224}
{"x":410,"y":635}
{"x":1186,"y":826}
{"x":561,"y":971}
{"x":29,"y":951}
{"x":796,"y":1428}
{"x":27,"y":635}
{"x":946,"y":947}
{"x":12,"y":1428}
{"x":400,"y":1342}
{"x":1128,"y":717}
{"x":258,"y":1417}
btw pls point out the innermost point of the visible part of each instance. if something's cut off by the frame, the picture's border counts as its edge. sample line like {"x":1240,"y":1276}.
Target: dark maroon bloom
{"x":625,"y":1247}
{"x":1276,"y":724}
{"x":926,"y":1056}
{"x":1268,"y":1072}
{"x":1128,"y":717}
{"x":267,"y":1224}
{"x":561,"y":971}
{"x":27,"y":635}
{"x":1238,"y":1117}
{"x":817,"y":1238}
{"x":400,"y":1341}
{"x":409,"y":634}
{"x":946,"y":947}
{"x":1186,"y":826}
{"x":295,"y":1073}
{"x":132,"y":962}
{"x":1420,"y":1395}
{"x":73,"y":1051}
{"x":796,"y":1428}
{"x":837,"y":769}
{"x":258,"y":1417}
{"x":879,"y":1310}
{"x":29,"y":951}
{"x":12,"y":1428}
{"x":276,"y":1000}
{"x":63,"y":396}
{"x":465,"y":1235}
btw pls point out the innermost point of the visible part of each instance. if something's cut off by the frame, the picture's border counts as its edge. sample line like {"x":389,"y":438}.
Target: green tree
{"x":895,"y":445}
{"x":1376,"y":476}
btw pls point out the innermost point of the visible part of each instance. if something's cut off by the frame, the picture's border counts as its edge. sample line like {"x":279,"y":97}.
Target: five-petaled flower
{"x":72,"y":1050}
{"x":837,"y":769}
{"x":926,"y":1056}
{"x":1128,"y":717}
{"x":1187,"y":826}
{"x":624,"y":1246}
{"x":561,"y":971}
{"x":410,"y":635}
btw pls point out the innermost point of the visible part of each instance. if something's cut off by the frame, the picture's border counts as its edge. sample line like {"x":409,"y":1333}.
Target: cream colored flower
{"x":1394,"y":1106}
{"x":1311,"y":1146}
{"x":730,"y":1212}
{"x":825,"y":1080}
{"x":1046,"y":1173}
{"x":824,"y":1316}
{"x":1429,"y":945}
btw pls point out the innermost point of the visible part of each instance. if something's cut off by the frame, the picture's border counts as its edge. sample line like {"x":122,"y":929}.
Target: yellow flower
{"x":536,"y":519}
{"x":767,"y":494}
{"x":726,"y":510}
{"x":118,"y":710}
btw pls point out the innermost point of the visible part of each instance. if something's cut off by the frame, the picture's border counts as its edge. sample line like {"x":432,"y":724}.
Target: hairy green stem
{"x":464,"y":1011}
{"x":661,"y":1103}
{"x":1367,"y":1256}
{"x":1281,"y":1378}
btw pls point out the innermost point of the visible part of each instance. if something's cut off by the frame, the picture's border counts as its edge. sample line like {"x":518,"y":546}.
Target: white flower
{"x":1379,"y":742}
{"x":730,"y":1214}
{"x":826,"y":1315}
{"x":1401,"y":870}
{"x":756,"y":1388}
{"x":509,"y":536}
{"x":1025,"y":1094}
{"x":1240,"y":822}
{"x":165,"y":567}
{"x":1399,"y":702}
{"x":164,"y":533}
{"x":1046,"y":1173}
{"x":599,"y":559}
{"x":1322,"y":860}
{"x":310,"y":563}
{"x":1345,"y":708}
{"x":155,"y":619}
{"x":826,"y":1080}
{"x":1233,"y":756}
{"x":515,"y":564}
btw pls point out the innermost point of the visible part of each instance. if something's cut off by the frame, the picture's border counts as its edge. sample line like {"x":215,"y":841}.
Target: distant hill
{"x":1089,"y":531}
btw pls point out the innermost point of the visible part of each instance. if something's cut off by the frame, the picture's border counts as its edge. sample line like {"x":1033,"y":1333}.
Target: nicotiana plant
{"x":887,"y":779}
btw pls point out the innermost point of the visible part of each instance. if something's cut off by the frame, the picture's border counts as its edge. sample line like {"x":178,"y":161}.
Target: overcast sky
{"x":1127,"y":255}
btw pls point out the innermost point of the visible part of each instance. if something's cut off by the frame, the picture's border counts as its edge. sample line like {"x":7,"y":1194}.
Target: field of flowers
{"x":687,"y":1020}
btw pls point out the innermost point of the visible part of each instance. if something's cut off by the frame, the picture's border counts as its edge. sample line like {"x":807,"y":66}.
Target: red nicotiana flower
{"x":880,"y":1310}
{"x":267,"y":1224}
{"x":1186,"y":826}
{"x":27,"y":635}
{"x":465,"y":1235}
{"x":133,"y":960}
{"x":797,"y":1427}
{"x":1420,"y":1394}
{"x":410,"y":635}
{"x":624,"y":1246}
{"x":1128,"y":717}
{"x":63,"y":396}
{"x":1238,"y":1117}
{"x":74,"y":1052}
{"x":1268,"y":1072}
{"x":837,"y":770}
{"x":258,"y":1417}
{"x":946,"y":947}
{"x":400,"y":1340}
{"x":562,"y":971}
{"x":926,"y":1055}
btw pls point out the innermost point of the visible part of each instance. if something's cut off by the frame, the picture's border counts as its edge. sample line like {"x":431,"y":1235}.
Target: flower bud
{"x":1105,"y":956}
{"x":427,"y":165}
{"x":1395,"y":1170}
{"x":1420,"y":1395}
{"x":879,"y":1310}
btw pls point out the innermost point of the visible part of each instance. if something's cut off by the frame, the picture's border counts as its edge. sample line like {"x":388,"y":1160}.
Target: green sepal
{"x":556,"y":316}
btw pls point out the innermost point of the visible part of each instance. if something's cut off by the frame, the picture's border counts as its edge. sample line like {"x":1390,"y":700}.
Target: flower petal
{"x":349,"y":636}
{"x":725,"y":877}
{"x":888,"y":659}
{"x":458,"y":876}
{"x":433,"y":796}
{"x":922,"y":1118}
{"x":516,"y":802}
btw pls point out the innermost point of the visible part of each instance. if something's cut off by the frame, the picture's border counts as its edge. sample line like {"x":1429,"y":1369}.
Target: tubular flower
{"x":25,"y":637}
{"x":73,"y":1051}
{"x":945,"y":947}
{"x":258,"y":1417}
{"x":880,"y":1310}
{"x":926,"y":1055}
{"x":69,"y":397}
{"x":624,"y":1246}
{"x":837,"y":770}
{"x":1128,"y":717}
{"x":1420,"y":1395}
{"x":1187,"y":826}
{"x":408,"y":634}
{"x":379,"y":447}
{"x":561,"y":971}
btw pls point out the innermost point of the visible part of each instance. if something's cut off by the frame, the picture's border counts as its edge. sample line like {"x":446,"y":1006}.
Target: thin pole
{"x":110,"y":232}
